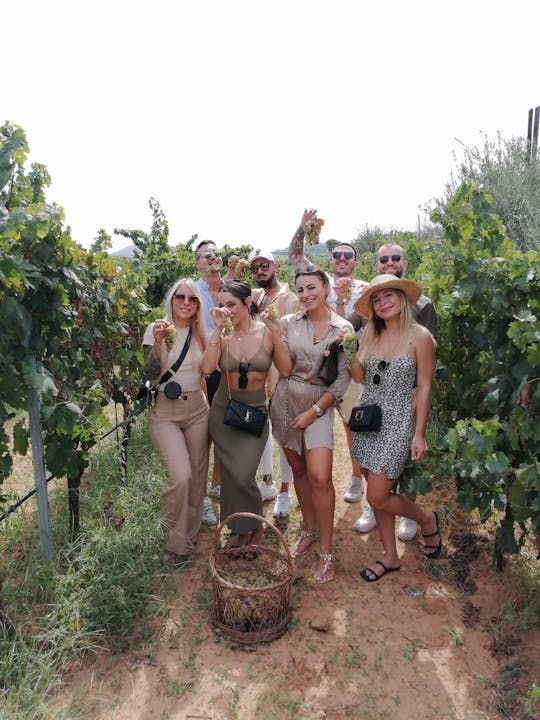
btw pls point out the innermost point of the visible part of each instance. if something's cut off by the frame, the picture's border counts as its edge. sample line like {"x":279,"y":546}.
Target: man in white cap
{"x":272,"y":292}
{"x":391,"y":260}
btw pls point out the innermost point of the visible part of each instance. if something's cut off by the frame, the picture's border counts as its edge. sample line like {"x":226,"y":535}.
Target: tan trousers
{"x":179,"y":433}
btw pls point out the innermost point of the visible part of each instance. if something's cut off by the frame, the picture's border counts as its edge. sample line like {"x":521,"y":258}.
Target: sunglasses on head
{"x":185,"y":298}
{"x":385,"y":258}
{"x":207,"y":254}
{"x":243,"y":371}
{"x":261,"y":266}
{"x":381,"y":367}
{"x":346,"y":254}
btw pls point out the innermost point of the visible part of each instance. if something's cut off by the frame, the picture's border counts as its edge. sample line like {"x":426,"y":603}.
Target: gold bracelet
{"x":213,"y":342}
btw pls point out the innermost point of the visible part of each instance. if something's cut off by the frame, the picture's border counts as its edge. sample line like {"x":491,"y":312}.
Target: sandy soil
{"x":418,"y":644}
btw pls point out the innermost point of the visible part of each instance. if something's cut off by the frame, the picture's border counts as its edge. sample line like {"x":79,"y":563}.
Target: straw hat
{"x":382,"y":282}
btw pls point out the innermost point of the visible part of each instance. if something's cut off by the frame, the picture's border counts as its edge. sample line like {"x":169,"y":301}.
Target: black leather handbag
{"x":328,"y":371}
{"x":365,"y":418}
{"x":245,"y":417}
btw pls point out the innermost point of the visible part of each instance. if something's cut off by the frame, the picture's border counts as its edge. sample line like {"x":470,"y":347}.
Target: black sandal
{"x":436,"y":548}
{"x":364,"y":573}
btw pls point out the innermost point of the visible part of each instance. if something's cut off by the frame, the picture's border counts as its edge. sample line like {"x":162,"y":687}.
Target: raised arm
{"x":296,"y":246}
{"x":279,"y":349}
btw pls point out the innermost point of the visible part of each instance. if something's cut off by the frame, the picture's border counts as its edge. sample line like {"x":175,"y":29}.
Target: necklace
{"x":241,"y":338}
{"x":267,"y":298}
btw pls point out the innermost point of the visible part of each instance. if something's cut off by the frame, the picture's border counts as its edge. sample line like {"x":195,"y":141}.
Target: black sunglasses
{"x":385,"y":258}
{"x":381,"y":367}
{"x":183,"y":298}
{"x":207,"y":254}
{"x":347,"y":254}
{"x":261,"y":266}
{"x":243,"y":371}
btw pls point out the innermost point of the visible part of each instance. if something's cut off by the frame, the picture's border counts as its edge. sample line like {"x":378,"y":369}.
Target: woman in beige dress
{"x":302,"y":413}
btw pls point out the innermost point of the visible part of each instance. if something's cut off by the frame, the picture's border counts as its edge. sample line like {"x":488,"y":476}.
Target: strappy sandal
{"x":311,"y":535}
{"x":323,"y":576}
{"x":436,"y":548}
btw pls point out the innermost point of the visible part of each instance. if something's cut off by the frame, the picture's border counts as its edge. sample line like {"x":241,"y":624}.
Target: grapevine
{"x":272,"y":312}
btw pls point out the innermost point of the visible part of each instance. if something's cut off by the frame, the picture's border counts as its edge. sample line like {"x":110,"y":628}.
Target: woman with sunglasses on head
{"x":396,"y":355}
{"x":244,"y":356}
{"x":178,"y":418}
{"x":302,"y":412}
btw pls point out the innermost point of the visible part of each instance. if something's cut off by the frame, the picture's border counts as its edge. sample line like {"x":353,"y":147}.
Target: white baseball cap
{"x":258,"y":253}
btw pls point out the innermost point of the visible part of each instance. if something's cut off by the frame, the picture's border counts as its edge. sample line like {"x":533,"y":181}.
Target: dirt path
{"x":410,"y":646}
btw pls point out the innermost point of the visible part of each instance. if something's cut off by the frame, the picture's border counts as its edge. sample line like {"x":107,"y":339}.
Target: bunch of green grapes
{"x":272,"y":312}
{"x":312,"y":231}
{"x":346,"y":294}
{"x":227,"y":326}
{"x":169,"y":337}
{"x":350,"y":347}
{"x":240,"y":270}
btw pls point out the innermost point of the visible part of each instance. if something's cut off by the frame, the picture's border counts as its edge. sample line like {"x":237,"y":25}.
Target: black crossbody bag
{"x":172,"y":390}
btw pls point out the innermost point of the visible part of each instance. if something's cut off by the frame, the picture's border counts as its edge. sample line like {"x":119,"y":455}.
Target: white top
{"x":188,"y":374}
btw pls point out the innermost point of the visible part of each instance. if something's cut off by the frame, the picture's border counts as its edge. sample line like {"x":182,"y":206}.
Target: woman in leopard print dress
{"x":396,"y":362}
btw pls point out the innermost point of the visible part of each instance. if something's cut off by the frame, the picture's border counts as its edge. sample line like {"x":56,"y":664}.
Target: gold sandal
{"x":313,"y":536}
{"x":323,"y":576}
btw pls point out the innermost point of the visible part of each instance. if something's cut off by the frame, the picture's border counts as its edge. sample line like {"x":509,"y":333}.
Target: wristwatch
{"x":318,"y":410}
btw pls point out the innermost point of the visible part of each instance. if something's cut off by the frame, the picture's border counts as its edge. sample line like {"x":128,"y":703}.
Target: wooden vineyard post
{"x":36,"y":438}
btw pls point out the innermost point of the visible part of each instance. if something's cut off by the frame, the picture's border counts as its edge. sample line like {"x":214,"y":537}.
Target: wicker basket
{"x":251,"y":587}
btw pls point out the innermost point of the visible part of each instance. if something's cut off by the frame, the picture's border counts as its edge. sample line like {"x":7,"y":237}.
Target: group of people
{"x":220,"y":341}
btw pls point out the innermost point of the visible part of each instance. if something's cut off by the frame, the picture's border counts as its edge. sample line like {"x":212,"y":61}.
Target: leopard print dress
{"x":390,"y":448}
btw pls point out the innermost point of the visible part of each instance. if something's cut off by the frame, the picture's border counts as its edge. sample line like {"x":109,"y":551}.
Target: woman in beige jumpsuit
{"x":179,"y":426}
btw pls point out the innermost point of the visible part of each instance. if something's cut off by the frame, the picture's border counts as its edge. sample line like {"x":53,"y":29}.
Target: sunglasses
{"x":385,"y":258}
{"x":185,"y":298}
{"x":346,"y":254}
{"x":261,"y":266}
{"x":242,"y":371}
{"x":207,"y":254}
{"x":381,"y":367}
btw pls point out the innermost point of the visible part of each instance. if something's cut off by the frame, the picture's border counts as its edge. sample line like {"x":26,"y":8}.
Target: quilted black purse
{"x":365,"y":418}
{"x":245,"y":417}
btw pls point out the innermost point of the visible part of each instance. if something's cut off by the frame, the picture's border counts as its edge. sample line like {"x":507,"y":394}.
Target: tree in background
{"x":504,"y":169}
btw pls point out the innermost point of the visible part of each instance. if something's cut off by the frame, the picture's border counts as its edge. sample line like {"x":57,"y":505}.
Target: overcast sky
{"x":237,"y":114}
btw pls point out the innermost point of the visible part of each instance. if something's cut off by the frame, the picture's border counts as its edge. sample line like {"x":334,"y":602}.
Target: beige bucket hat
{"x":381,"y":282}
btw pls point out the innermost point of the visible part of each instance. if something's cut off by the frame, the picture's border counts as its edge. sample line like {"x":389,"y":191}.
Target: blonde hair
{"x":376,"y":325}
{"x":198,"y":326}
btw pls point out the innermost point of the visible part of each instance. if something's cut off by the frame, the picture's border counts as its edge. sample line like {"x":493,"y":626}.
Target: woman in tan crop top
{"x":178,"y":419}
{"x":244,"y":356}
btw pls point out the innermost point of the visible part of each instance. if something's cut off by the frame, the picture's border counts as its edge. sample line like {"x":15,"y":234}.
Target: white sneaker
{"x":214,"y":491}
{"x":406,"y":529}
{"x":208,"y":516}
{"x":268,"y":491}
{"x":366,"y":522}
{"x":283,"y":503}
{"x":355,"y":490}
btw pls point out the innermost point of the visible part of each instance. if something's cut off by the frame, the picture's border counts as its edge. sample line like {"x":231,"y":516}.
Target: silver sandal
{"x":313,"y":535}
{"x":322,"y":577}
